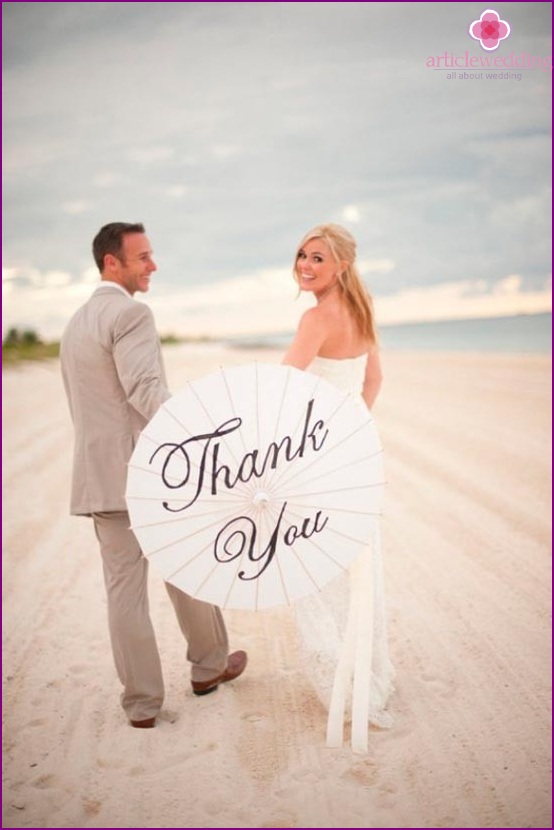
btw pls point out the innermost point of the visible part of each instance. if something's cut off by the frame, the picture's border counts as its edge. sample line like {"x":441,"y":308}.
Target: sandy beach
{"x":466,"y":540}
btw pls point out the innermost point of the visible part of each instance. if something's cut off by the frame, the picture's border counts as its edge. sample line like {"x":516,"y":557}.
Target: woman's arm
{"x":373,"y":377}
{"x":309,"y":337}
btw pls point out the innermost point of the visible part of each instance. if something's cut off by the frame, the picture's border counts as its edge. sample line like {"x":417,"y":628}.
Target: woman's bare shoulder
{"x":317,"y":317}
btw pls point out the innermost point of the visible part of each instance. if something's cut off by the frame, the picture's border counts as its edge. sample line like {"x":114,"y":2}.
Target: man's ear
{"x":110,"y":262}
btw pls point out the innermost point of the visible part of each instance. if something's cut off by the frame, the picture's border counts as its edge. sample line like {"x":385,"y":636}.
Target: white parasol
{"x":255,"y":485}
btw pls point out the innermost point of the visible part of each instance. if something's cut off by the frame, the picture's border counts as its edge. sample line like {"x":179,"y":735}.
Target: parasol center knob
{"x":261,"y":499}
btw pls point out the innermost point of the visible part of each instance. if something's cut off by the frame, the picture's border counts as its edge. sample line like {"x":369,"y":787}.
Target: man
{"x":115,"y":381}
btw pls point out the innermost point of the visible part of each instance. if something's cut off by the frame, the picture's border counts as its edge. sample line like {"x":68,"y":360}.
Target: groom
{"x":115,"y":381}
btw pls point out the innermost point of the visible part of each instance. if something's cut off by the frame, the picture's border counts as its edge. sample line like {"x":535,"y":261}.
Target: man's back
{"x":114,"y":379}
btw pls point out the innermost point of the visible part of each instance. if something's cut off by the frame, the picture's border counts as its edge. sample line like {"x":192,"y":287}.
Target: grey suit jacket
{"x":115,"y":381}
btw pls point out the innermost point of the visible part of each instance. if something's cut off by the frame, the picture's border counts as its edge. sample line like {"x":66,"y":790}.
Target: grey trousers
{"x":132,"y":636}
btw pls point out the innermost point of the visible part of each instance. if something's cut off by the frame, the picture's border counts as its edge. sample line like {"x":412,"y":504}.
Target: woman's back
{"x":344,"y":339}
{"x":346,"y":373}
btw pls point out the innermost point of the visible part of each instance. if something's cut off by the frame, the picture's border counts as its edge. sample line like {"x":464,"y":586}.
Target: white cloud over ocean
{"x":273,"y":306}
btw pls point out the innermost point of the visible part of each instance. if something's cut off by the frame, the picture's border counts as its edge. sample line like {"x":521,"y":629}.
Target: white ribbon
{"x":356,"y":657}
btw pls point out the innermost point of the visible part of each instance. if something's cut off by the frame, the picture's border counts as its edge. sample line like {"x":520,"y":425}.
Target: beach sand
{"x":466,"y":538}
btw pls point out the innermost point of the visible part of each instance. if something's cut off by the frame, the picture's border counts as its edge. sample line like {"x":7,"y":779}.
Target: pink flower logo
{"x":489,"y":30}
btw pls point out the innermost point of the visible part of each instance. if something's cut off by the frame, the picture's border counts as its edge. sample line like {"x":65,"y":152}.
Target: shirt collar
{"x":111,"y":284}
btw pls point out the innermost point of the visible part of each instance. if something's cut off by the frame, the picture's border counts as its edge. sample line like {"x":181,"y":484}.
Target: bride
{"x":343,"y":629}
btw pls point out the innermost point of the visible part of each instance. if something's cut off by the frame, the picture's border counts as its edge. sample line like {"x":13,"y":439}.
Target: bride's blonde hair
{"x":343,"y":248}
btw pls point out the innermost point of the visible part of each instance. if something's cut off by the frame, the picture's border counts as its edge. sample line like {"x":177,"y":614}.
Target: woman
{"x":337,"y":340}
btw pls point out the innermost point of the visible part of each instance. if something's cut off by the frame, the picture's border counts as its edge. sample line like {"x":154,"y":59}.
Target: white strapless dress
{"x":343,"y":630}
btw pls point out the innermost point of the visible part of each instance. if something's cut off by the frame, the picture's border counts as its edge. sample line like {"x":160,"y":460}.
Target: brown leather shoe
{"x":148,"y":723}
{"x":236,"y":664}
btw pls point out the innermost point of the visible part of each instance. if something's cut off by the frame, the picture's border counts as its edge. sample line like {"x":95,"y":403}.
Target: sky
{"x":230,"y":129}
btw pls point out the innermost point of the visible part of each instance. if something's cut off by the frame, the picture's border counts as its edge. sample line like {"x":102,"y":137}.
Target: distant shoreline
{"x":516,"y":334}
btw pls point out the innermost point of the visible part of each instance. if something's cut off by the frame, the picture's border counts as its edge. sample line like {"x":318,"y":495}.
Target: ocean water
{"x":519,"y":334}
{"x":522,"y":333}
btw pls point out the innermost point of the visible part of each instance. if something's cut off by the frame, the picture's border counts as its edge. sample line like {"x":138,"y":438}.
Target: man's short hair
{"x":109,"y":240}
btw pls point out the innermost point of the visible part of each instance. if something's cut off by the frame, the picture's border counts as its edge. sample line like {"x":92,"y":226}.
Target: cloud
{"x":176,"y":191}
{"x":78,"y":206}
{"x":350,"y":213}
{"x":463,"y":300}
{"x":107,"y":179}
{"x":375,"y":266}
{"x":262,"y":302}
{"x":56,"y":279}
{"x":225,"y":151}
{"x":150,"y":155}
{"x":42,"y":301}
